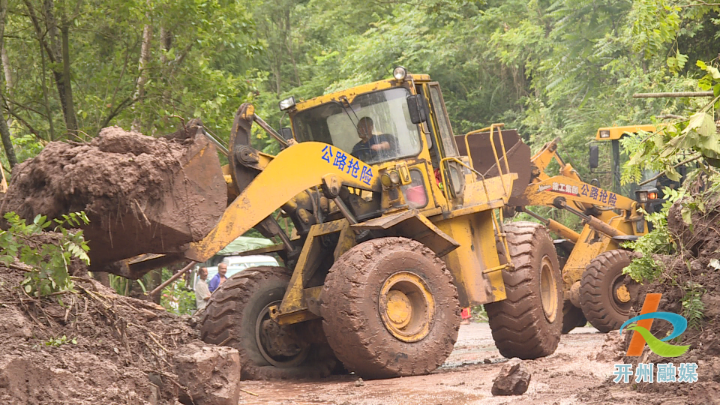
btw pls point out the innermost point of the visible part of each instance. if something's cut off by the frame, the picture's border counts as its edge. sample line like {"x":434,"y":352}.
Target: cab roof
{"x":614,"y":133}
{"x":353,"y":92}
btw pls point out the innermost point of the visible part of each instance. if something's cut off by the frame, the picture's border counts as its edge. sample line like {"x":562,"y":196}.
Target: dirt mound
{"x":142,"y":194}
{"x":693,"y":270}
{"x":101,"y":348}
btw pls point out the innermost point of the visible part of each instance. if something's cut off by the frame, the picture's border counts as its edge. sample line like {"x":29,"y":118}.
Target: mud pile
{"x":694,"y":267}
{"x":141,"y":194}
{"x":101,"y":348}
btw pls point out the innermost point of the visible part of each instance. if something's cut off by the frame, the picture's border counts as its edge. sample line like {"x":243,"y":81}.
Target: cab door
{"x":454,"y":172}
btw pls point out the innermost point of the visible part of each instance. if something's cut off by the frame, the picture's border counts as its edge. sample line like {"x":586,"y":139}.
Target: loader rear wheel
{"x":605,"y":296}
{"x":390,"y":309}
{"x":528,"y":323}
{"x":237,"y":315}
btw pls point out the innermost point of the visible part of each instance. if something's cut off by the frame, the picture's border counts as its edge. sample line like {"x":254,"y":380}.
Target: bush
{"x":46,"y":259}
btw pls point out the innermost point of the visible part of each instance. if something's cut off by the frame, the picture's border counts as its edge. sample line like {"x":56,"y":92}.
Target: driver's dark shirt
{"x":362,"y":150}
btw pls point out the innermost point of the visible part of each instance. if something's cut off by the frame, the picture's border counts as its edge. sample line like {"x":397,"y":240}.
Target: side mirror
{"x":418,"y":108}
{"x":286,"y":133}
{"x":594,"y":156}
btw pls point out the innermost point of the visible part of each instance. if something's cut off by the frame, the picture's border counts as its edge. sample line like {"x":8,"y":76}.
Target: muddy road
{"x":573,"y":375}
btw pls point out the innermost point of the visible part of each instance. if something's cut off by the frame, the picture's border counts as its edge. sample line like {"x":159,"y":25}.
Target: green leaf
{"x":702,"y":123}
{"x":673,"y":175}
{"x":713,"y":72}
{"x":687,"y":215}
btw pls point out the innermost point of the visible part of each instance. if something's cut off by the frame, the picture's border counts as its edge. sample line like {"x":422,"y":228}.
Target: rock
{"x":513,"y":379}
{"x":210,"y":373}
{"x":359,"y":382}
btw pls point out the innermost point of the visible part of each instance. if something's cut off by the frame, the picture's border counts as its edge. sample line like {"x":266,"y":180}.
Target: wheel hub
{"x":406,"y":306}
{"x":399,"y":308}
{"x":622,"y":294}
{"x":279,"y":345}
{"x":548,"y":289}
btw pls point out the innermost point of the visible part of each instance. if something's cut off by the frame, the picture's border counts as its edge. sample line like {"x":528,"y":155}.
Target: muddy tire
{"x":390,"y":309}
{"x":572,"y":317}
{"x":528,"y":323}
{"x":234,"y":315}
{"x":604,"y":301}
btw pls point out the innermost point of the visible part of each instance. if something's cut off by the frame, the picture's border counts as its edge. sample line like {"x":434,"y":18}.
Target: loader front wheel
{"x":605,"y":296}
{"x":390,"y":309}
{"x":528,"y":323}
{"x":237,"y":315}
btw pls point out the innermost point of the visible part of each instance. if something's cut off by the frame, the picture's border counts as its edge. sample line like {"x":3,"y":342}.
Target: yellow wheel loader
{"x":397,"y":225}
{"x":595,"y":288}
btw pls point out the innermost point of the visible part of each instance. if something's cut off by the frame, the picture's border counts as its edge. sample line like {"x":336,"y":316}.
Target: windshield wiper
{"x":346,"y":107}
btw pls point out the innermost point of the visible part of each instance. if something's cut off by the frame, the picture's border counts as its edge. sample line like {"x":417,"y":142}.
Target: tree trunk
{"x":71,"y":118}
{"x":55,"y":53}
{"x":48,"y":111}
{"x":142,"y":71}
{"x":9,"y":84}
{"x":288,"y":44}
{"x":156,"y":280}
{"x":165,"y":45}
{"x":4,"y":129}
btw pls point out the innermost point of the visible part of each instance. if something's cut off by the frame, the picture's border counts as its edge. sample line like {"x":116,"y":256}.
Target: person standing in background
{"x":219,"y":278}
{"x":202,"y":291}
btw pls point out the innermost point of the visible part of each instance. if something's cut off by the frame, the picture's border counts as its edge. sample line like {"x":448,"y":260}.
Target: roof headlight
{"x":287,"y":104}
{"x":641,"y":196}
{"x":399,"y":73}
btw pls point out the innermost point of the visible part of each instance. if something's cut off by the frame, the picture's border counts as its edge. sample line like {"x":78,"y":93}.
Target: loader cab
{"x":607,"y":158}
{"x":399,"y":127}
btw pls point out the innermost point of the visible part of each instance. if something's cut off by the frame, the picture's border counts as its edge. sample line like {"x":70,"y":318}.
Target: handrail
{"x":497,"y":225}
{"x":491,"y":129}
{"x":444,"y":175}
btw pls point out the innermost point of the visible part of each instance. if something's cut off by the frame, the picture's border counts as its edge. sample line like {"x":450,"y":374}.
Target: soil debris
{"x":92,"y":346}
{"x":142,"y":194}
{"x":691,"y":287}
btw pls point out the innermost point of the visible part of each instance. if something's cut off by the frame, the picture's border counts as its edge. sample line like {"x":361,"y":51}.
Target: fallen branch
{"x":248,"y":392}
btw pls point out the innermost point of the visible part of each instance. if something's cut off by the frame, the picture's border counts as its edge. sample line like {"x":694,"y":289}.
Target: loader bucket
{"x":182,"y":212}
{"x":141,"y":194}
{"x":483,"y":160}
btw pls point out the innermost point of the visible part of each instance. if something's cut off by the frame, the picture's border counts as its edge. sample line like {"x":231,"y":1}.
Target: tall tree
{"x":4,"y":129}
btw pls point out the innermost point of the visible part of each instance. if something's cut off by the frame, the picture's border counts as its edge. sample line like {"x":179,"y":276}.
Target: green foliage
{"x":692,"y":305}
{"x":678,"y":142}
{"x":196,"y":65}
{"x":57,"y":342}
{"x":176,"y":297}
{"x":657,"y":241}
{"x":122,"y":285}
{"x":48,"y":260}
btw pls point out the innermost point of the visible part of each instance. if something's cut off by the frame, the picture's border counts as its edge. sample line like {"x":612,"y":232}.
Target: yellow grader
{"x":397,"y":224}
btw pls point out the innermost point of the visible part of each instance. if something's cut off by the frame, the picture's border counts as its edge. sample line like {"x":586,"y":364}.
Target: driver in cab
{"x":372,"y":146}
